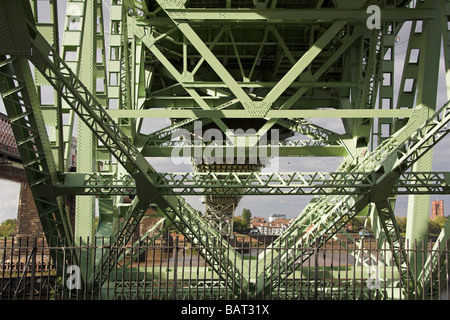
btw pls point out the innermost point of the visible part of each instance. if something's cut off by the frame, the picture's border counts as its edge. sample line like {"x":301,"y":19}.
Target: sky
{"x":267,"y":205}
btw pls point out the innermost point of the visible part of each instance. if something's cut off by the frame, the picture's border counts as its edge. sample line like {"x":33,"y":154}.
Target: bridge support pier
{"x":28,"y":223}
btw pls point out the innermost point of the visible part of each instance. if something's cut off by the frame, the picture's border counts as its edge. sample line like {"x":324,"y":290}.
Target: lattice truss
{"x":266,"y":67}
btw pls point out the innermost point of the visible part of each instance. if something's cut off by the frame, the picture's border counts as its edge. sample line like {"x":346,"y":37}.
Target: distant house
{"x":276,"y":216}
{"x":275,"y":227}
{"x":256,"y":221}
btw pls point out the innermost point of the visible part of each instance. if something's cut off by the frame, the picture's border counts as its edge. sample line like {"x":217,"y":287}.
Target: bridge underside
{"x":243,"y":83}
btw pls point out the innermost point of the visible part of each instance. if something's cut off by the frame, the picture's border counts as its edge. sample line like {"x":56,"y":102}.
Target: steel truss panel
{"x":29,"y":131}
{"x":92,"y":113}
{"x":329,"y":214}
{"x":254,"y":183}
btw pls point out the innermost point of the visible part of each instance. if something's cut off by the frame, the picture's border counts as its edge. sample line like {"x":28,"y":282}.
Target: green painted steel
{"x":254,"y":183}
{"x":267,"y":68}
{"x":22,"y":104}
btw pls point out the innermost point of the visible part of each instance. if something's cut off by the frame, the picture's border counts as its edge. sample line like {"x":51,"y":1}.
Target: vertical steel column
{"x":51,"y":108}
{"x":427,"y":84}
{"x":84,"y":219}
{"x":86,"y":144}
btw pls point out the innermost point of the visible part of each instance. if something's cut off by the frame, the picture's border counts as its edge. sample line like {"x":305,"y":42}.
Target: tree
{"x":433,"y":228}
{"x":401,"y":222}
{"x":440,"y":220}
{"x":357,"y":224}
{"x":246,"y":215}
{"x":8,"y":228}
{"x":239,"y":224}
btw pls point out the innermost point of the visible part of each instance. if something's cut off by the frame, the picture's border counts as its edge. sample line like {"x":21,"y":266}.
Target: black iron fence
{"x":171,"y":268}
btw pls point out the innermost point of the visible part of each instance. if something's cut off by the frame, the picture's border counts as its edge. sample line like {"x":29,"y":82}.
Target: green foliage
{"x":401,"y":222}
{"x":440,"y":221}
{"x":55,"y":293}
{"x":357,"y":224}
{"x":435,"y":226}
{"x":8,"y":228}
{"x":239,"y":224}
{"x":242,"y":223}
{"x":246,"y":215}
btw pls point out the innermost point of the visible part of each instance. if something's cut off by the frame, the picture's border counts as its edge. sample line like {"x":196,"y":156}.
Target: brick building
{"x":437,"y":208}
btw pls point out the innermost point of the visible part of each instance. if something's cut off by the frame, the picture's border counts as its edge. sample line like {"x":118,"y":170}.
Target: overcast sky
{"x":266,"y":205}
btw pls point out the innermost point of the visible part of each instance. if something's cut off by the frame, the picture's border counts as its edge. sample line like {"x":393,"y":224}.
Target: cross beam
{"x":253,"y":183}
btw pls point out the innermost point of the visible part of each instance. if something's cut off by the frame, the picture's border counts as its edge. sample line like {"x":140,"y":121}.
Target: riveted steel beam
{"x":23,"y":108}
{"x":253,"y":183}
{"x":271,"y":114}
{"x":425,"y":76}
{"x":280,"y":16}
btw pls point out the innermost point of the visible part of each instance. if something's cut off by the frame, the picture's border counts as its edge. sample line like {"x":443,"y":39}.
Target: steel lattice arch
{"x":242,"y":83}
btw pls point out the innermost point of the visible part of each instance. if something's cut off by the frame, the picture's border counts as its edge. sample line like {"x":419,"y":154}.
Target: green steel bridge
{"x":242,"y":83}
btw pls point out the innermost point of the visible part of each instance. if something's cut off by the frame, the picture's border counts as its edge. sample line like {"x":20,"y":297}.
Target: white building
{"x":275,"y":227}
{"x":275,"y":216}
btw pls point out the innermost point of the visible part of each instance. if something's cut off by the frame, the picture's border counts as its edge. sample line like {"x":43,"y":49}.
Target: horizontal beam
{"x":218,"y":102}
{"x":253,"y":84}
{"x":277,"y":114}
{"x":295,"y":15}
{"x":303,"y":151}
{"x":254,"y":183}
{"x":221,"y":149}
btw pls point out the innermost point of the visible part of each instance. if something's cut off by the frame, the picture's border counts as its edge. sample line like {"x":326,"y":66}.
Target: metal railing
{"x":170,"y":268}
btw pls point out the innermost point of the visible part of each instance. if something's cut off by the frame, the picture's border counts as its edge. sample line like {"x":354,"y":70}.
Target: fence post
{"x":24,"y":271}
{"x":175,"y":265}
{"x":316,"y":270}
{"x":33,"y":268}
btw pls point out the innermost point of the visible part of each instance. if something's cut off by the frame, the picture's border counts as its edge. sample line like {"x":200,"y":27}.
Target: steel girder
{"x":23,"y":107}
{"x":254,"y":183}
{"x":89,"y":110}
{"x":21,"y":102}
{"x":160,"y":40}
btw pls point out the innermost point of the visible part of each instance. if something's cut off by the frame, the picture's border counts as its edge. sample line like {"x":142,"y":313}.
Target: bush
{"x":8,"y":228}
{"x":240,"y":225}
